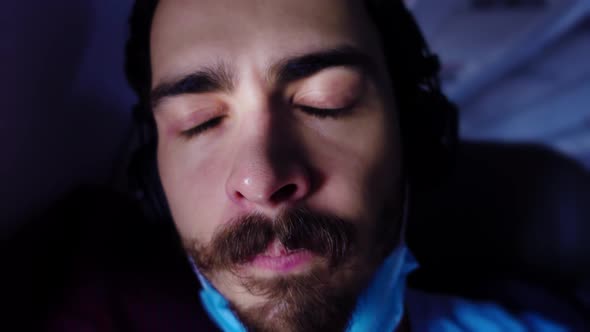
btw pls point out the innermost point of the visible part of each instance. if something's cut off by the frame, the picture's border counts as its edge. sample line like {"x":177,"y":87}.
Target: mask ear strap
{"x":405,"y":213}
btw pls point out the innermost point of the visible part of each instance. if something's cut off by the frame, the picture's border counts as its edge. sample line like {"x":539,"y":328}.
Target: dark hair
{"x":427,"y":118}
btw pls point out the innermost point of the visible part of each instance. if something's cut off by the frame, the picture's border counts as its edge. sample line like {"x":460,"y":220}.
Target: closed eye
{"x":200,"y":129}
{"x":325,"y":112}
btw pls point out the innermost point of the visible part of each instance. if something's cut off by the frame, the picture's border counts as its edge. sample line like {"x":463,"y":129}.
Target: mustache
{"x":247,"y":236}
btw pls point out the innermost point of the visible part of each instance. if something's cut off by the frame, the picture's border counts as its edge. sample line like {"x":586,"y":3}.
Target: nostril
{"x":284,"y":194}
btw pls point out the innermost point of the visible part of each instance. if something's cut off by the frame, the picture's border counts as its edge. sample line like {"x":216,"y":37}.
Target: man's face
{"x":278,"y":149}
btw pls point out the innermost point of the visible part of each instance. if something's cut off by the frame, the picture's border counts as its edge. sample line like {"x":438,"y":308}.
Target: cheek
{"x":194,"y":189}
{"x":360,"y":165}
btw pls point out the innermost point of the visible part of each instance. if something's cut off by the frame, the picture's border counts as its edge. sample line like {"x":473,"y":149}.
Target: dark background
{"x":65,"y":106}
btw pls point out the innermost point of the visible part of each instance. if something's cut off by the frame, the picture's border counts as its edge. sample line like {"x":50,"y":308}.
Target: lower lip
{"x":283,"y":263}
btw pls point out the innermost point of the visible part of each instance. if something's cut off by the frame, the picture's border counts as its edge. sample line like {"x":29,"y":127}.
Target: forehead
{"x":186,"y":33}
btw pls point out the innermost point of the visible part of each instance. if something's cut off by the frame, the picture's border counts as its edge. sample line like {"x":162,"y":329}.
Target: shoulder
{"x":530,"y":310}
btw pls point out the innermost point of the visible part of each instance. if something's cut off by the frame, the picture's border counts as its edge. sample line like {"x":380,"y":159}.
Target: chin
{"x":318,"y":298}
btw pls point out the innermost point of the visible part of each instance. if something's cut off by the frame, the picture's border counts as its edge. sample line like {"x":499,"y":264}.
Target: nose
{"x":264,"y":186}
{"x":268,"y":173}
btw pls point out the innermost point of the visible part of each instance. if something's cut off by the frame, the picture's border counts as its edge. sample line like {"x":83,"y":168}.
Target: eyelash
{"x":192,"y":132}
{"x":321,"y":113}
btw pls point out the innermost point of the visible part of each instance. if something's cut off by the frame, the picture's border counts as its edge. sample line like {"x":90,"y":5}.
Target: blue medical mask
{"x":379,"y":308}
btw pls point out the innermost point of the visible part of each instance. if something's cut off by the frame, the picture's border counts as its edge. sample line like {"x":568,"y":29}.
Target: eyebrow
{"x":207,"y":79}
{"x":221,"y":78}
{"x":299,"y":67}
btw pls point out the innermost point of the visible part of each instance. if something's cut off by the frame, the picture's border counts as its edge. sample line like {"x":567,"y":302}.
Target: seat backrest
{"x":505,"y":211}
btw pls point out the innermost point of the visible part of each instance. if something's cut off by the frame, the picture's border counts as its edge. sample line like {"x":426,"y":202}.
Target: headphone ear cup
{"x":431,"y":136}
{"x":145,"y":183}
{"x":446,"y":129}
{"x":442,"y":111}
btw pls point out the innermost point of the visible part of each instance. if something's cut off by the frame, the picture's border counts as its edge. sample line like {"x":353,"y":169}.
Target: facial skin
{"x":276,"y":131}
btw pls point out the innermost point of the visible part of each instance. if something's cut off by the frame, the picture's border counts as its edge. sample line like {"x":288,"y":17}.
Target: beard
{"x":319,"y":299}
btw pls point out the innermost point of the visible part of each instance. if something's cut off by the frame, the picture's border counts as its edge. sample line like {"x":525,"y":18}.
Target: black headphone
{"x":144,"y":181}
{"x":428,"y":119}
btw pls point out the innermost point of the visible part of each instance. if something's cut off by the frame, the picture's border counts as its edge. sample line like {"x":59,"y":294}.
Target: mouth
{"x":278,"y":259}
